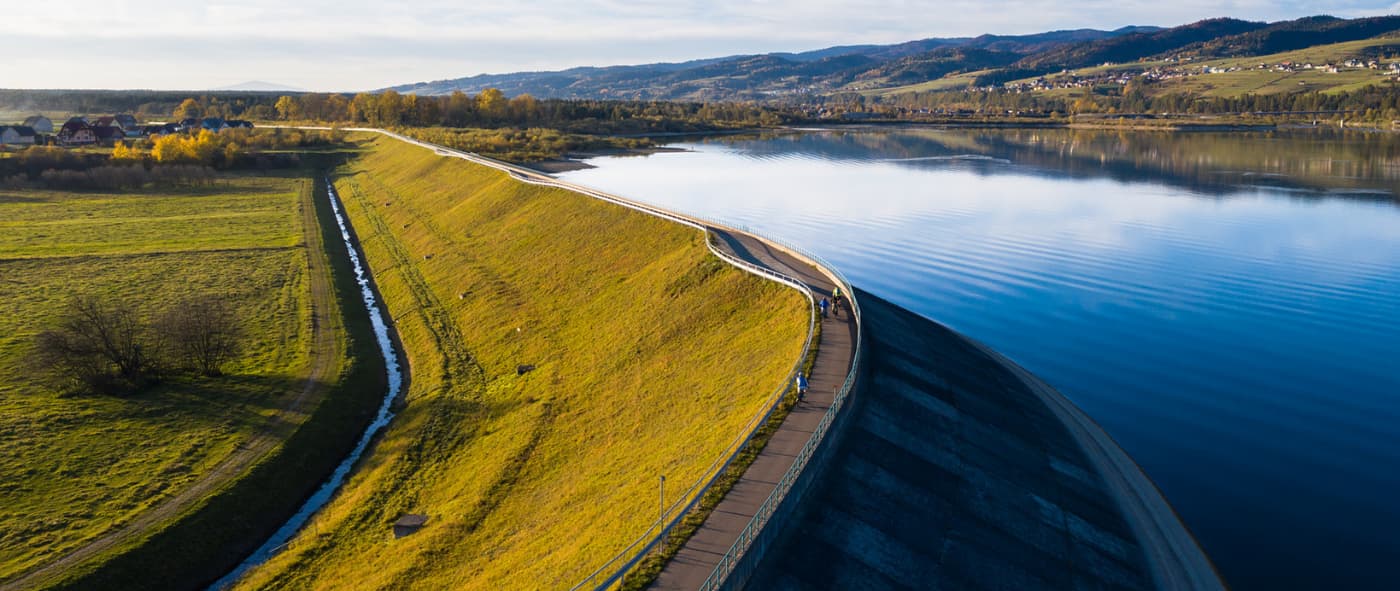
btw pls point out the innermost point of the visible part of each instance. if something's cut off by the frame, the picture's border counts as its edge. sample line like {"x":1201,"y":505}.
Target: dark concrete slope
{"x":955,"y":474}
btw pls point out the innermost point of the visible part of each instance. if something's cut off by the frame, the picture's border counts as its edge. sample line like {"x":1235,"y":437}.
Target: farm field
{"x":1250,"y":80}
{"x":1246,"y":80}
{"x":952,"y":82}
{"x":565,"y":353}
{"x":76,"y":468}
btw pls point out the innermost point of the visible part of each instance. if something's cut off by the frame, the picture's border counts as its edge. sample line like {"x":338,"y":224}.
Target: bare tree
{"x":202,"y":333}
{"x":98,"y":346}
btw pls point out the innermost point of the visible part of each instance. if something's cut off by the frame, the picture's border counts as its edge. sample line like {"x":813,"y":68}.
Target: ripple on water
{"x":1240,"y":343}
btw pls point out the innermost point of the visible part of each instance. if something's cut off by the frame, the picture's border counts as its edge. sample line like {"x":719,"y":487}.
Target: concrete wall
{"x":953,"y":474}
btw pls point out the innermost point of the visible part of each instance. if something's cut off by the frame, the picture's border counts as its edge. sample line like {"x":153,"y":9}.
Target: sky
{"x":349,"y":45}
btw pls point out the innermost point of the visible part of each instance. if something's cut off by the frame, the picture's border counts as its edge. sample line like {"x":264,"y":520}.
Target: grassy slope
{"x":952,"y":82}
{"x":651,"y":354}
{"x":74,"y":467}
{"x":1251,"y":81}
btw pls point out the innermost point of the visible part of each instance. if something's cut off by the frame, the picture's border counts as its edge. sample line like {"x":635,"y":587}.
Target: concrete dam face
{"x":954,"y":471}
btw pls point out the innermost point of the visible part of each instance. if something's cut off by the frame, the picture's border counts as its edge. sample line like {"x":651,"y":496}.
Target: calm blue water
{"x":1226,"y":306}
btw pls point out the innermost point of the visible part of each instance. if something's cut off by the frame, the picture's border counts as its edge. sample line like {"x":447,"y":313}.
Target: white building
{"x":17,"y":135}
{"x":39,"y":123}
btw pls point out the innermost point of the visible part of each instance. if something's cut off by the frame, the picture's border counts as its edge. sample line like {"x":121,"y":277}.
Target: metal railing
{"x":732,"y":559}
{"x":616,"y":567}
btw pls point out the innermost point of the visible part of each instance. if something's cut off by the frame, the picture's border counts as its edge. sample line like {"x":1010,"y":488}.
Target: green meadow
{"x":79,"y":467}
{"x":565,"y":353}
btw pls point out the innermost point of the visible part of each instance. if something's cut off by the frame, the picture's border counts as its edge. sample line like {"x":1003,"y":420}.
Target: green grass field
{"x":76,"y":467}
{"x":951,"y":82}
{"x":649,"y":356}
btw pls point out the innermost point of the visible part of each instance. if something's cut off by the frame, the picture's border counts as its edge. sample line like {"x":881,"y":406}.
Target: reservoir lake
{"x":1225,"y":305}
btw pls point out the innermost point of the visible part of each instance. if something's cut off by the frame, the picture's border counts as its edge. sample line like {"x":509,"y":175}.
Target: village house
{"x":128,"y":124}
{"x":158,"y":129}
{"x":39,"y":123}
{"x":108,"y":135}
{"x":76,"y":132}
{"x":214,"y":124}
{"x":17,"y":135}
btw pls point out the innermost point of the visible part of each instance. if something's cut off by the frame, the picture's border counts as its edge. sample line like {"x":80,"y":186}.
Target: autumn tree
{"x":389,"y":109}
{"x":100,"y":347}
{"x":363,"y":107}
{"x":337,"y":108}
{"x":459,"y":109}
{"x":288,"y":108}
{"x":189,"y":109}
{"x":311,"y":105}
{"x":491,"y":103}
{"x":202,"y":148}
{"x":172,"y":149}
{"x":524,"y":109}
{"x":202,"y":333}
{"x":122,"y":154}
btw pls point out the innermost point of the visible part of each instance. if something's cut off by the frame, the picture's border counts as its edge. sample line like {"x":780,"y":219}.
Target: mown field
{"x":648,"y":356}
{"x":75,"y":467}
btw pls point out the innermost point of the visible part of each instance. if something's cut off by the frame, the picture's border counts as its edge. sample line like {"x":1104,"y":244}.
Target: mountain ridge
{"x":850,"y":68}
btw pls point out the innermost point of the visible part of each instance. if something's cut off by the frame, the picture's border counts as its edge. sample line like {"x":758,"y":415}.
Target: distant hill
{"x":760,"y":76}
{"x":1127,"y":48}
{"x":936,"y":64}
{"x":259,"y":86}
{"x":984,"y":60}
{"x":1291,"y":35}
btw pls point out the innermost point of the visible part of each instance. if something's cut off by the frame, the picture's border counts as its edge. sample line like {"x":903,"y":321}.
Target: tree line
{"x":172,"y":160}
{"x":1379,"y":102}
{"x":491,"y":108}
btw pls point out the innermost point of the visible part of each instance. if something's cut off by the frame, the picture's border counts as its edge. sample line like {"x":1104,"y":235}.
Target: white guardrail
{"x":612,"y":572}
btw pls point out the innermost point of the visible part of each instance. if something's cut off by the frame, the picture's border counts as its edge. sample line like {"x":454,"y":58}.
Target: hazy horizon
{"x":320,"y":45}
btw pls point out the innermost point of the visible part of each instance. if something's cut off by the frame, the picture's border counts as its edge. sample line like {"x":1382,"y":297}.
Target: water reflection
{"x":1349,"y":163}
{"x":1224,"y":305}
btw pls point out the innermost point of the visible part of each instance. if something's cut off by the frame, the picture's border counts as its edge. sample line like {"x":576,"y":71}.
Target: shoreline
{"x":1105,"y":123}
{"x":575,"y":160}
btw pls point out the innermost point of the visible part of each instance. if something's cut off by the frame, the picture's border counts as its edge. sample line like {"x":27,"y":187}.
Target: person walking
{"x":825,"y":306}
{"x":801,"y":386}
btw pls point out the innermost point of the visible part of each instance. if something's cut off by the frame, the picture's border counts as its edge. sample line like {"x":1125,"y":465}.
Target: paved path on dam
{"x":699,"y":556}
{"x":960,"y":470}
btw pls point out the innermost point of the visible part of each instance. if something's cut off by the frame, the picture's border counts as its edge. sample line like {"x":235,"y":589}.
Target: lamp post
{"x":662,"y":513}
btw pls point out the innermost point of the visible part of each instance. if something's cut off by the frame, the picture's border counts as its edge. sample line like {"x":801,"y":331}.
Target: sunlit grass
{"x":649,"y":356}
{"x":74,"y":467}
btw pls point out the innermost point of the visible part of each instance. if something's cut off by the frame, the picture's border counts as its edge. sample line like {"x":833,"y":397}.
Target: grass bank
{"x":565,"y":353}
